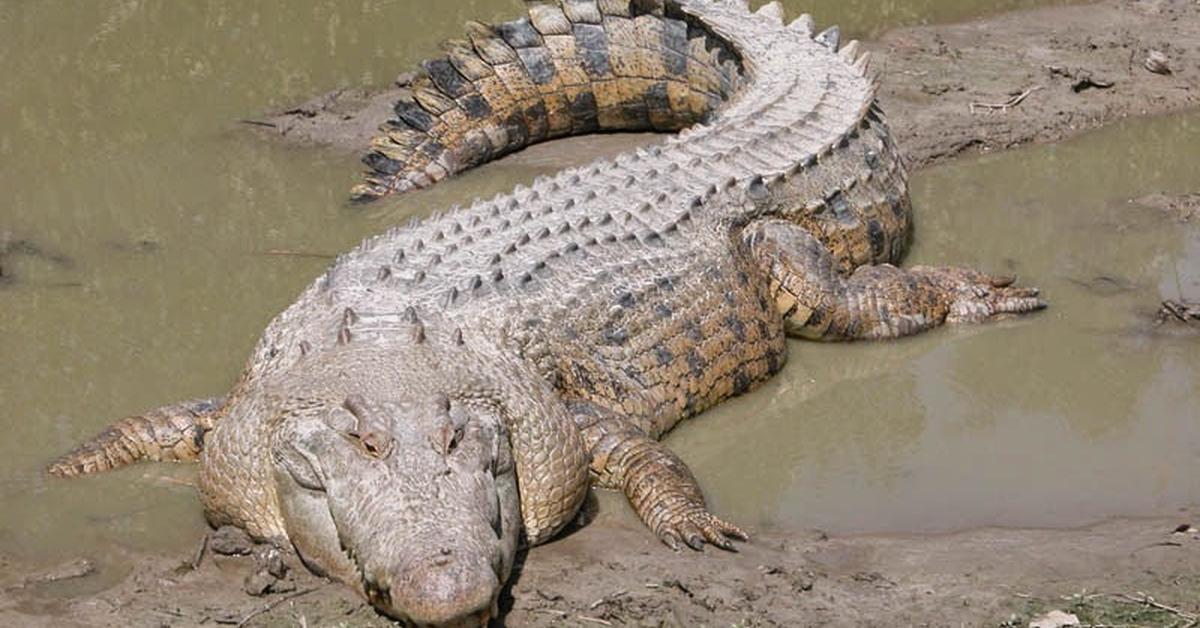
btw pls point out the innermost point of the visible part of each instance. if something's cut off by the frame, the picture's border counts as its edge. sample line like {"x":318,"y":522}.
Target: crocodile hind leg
{"x":659,"y":486}
{"x":173,"y":433}
{"x":873,"y":301}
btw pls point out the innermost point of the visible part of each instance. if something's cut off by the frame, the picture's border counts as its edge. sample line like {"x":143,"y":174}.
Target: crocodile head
{"x":412,"y":502}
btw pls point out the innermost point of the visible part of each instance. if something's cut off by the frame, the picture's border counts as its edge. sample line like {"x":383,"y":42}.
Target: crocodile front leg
{"x":874,"y":301}
{"x":659,"y":486}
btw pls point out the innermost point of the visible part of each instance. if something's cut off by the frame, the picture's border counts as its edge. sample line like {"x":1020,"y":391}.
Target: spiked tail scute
{"x":830,"y":37}
{"x":863,"y":65}
{"x":849,"y":52}
{"x":772,"y":10}
{"x":173,"y":433}
{"x":804,"y":24}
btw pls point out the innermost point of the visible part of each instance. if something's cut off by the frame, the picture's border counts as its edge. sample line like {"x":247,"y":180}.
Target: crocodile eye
{"x":374,"y":444}
{"x":447,"y":439}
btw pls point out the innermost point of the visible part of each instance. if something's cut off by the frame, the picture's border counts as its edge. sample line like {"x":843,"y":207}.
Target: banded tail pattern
{"x":569,"y":67}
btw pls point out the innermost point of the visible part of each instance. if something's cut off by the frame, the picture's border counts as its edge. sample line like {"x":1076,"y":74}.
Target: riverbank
{"x":994,"y":83}
{"x":1106,"y":574}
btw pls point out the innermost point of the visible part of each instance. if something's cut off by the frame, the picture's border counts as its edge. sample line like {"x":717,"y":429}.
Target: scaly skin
{"x":386,"y":418}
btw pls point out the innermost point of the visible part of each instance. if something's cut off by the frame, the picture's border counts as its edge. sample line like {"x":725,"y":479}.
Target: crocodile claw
{"x":697,"y":527}
{"x":976,"y":297}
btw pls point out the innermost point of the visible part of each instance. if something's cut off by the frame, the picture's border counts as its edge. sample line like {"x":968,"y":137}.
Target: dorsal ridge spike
{"x":418,"y":333}
{"x":830,"y":38}
{"x":863,"y":65}
{"x":772,"y":10}
{"x":457,"y":336}
{"x":410,"y":315}
{"x":756,"y":189}
{"x":805,"y":24}
{"x":850,"y":51}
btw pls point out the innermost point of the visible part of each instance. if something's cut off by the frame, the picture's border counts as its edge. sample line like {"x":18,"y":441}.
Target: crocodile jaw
{"x":412,"y":504}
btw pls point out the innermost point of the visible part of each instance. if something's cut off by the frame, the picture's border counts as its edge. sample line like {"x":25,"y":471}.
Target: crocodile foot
{"x":668,"y":499}
{"x":975,"y":297}
{"x":695,"y":526}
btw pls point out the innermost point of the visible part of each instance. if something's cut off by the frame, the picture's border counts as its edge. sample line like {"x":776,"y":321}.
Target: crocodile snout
{"x":444,"y":590}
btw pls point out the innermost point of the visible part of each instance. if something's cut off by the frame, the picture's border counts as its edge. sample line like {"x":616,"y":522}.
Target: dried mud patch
{"x":1035,"y":76}
{"x":989,"y":577}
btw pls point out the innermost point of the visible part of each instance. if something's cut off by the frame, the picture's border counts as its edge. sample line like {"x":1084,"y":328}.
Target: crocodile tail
{"x":569,"y":67}
{"x":173,"y":433}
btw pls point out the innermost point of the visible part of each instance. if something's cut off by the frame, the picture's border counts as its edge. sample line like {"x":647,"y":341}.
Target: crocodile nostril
{"x":443,"y":557}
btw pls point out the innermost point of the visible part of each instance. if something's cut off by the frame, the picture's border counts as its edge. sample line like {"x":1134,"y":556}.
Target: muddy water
{"x":150,"y":240}
{"x":1076,"y":414}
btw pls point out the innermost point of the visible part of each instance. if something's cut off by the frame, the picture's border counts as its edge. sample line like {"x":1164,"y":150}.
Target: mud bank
{"x":1035,"y":76}
{"x":990,"y":577}
{"x":1030,"y":76}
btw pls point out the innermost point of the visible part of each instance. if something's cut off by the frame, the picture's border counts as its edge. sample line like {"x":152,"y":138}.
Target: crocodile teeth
{"x":804,"y":24}
{"x":849,"y":52}
{"x":740,"y":4}
{"x":773,"y":11}
{"x":830,"y":37}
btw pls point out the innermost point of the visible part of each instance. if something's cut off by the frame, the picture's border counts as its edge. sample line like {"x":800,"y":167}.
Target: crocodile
{"x":455,"y":385}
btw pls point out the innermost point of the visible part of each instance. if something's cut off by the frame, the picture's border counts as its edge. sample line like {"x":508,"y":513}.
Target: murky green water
{"x":1073,"y":415}
{"x":146,"y":226}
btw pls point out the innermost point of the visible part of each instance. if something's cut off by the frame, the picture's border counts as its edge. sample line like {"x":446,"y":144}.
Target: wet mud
{"x":984,"y":577}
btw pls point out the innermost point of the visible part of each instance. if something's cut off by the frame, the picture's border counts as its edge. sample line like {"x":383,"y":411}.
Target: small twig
{"x":1185,"y":312}
{"x":563,"y":615}
{"x":270,"y":607}
{"x":1149,"y":601}
{"x":78,"y":568}
{"x":607,"y":598}
{"x":270,"y":125}
{"x":1006,"y":105}
{"x":199,"y":555}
